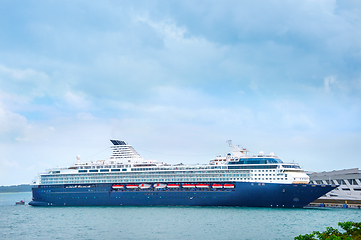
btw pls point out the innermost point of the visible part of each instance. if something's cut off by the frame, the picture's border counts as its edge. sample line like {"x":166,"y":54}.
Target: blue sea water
{"x":168,"y":222}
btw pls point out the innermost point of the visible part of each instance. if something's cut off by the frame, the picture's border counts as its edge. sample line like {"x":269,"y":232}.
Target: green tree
{"x":352,"y":231}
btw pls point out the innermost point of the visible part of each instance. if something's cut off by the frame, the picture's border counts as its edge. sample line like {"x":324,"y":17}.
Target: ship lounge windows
{"x":256,"y":161}
{"x":291,"y":166}
{"x":232,"y":166}
{"x":352,"y":181}
{"x":341,"y":181}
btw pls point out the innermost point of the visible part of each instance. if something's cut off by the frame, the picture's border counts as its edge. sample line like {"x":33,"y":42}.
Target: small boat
{"x":202,"y":186}
{"x":173,"y":186}
{"x":228,"y":185}
{"x":132,"y":186}
{"x":144,"y":186}
{"x":188,"y":185}
{"x":20,"y":203}
{"x":217,"y":185}
{"x":118,"y":186}
{"x":159,"y":185}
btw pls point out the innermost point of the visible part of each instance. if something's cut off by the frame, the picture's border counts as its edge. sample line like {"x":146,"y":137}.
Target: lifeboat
{"x":144,"y":186}
{"x":217,"y":185}
{"x":202,"y":186}
{"x":159,"y":185}
{"x":173,"y":185}
{"x":228,"y":185}
{"x":118,"y":186}
{"x":132,"y":186}
{"x":188,"y":185}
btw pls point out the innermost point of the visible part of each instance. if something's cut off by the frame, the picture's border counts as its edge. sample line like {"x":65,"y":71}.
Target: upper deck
{"x":126,"y":165}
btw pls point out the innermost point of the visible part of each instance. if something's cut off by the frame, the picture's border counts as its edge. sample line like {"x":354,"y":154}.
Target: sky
{"x":177,"y":79}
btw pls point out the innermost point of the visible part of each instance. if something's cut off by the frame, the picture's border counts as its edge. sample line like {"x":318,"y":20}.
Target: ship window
{"x":115,"y":170}
{"x":352,"y":181}
{"x":345,"y":189}
{"x":341,"y":181}
{"x":104,"y":170}
{"x":357,"y":189}
{"x":93,"y":170}
{"x":82,"y":171}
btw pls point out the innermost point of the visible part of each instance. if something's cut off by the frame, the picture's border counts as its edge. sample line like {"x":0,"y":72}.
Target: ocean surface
{"x":168,"y":222}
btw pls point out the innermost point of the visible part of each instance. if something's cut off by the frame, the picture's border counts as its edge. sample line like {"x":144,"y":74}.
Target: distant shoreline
{"x":15,"y":188}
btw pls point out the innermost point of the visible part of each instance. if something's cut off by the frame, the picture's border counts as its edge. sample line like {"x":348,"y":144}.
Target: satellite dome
{"x":272,"y":154}
{"x":78,"y":157}
{"x":261,"y":153}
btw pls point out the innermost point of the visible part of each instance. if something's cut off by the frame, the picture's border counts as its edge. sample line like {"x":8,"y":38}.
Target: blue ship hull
{"x":243,"y":194}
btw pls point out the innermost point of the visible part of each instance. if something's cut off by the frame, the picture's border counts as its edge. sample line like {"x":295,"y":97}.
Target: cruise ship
{"x":125,"y":178}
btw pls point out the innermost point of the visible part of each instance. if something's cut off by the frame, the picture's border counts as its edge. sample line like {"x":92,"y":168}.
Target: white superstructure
{"x":126,"y":165}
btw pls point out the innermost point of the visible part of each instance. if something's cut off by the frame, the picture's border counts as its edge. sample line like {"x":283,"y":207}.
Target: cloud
{"x":85,"y":116}
{"x":179,"y":77}
{"x":76,"y":101}
{"x":16,"y":127}
{"x":12,"y":125}
{"x":328,"y":82}
{"x":27,"y":81}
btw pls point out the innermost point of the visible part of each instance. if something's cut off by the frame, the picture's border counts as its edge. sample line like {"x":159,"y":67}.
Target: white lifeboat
{"x":202,"y":186}
{"x":159,"y":185}
{"x":144,"y":186}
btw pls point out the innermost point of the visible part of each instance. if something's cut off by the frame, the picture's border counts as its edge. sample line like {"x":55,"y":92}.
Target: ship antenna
{"x":242,"y":150}
{"x":232,"y":146}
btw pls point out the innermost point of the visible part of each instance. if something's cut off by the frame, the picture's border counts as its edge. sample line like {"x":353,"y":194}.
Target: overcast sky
{"x":177,"y":79}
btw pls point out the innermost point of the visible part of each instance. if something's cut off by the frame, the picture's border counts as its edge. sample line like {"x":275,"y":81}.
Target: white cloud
{"x":167,"y":28}
{"x":77,"y":101}
{"x":16,"y":127}
{"x":21,"y":75}
{"x":329,"y":82}
{"x":27,"y":81}
{"x":12,"y":125}
{"x":179,"y":77}
{"x":85,"y":116}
